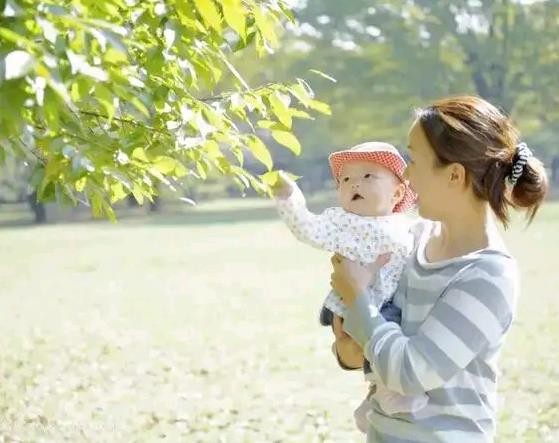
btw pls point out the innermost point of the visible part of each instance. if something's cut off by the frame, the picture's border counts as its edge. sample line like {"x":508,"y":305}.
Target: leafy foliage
{"x":117,"y":97}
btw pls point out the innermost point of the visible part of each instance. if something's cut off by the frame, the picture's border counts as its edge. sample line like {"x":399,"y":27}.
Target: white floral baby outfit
{"x":355,"y":237}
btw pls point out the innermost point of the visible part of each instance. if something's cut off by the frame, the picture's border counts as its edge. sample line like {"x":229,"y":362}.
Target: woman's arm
{"x":474,"y":314}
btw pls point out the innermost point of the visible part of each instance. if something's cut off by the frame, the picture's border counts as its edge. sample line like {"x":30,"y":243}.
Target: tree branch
{"x":229,"y":94}
{"x":123,"y":120}
{"x":33,"y":151}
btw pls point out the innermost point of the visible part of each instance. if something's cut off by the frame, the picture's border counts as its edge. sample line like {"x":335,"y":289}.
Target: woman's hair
{"x":471,"y":131}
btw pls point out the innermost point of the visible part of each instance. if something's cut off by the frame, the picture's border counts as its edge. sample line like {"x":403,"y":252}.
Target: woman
{"x":459,"y":289}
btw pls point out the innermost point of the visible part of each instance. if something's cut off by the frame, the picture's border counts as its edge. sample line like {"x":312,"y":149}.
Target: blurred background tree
{"x":392,"y":56}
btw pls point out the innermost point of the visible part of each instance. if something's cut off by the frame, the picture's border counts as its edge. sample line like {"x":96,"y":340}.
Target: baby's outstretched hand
{"x":283,"y":187}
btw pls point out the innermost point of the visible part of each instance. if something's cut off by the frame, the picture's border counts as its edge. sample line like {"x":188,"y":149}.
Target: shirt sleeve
{"x":337,"y":231}
{"x":473,"y":315}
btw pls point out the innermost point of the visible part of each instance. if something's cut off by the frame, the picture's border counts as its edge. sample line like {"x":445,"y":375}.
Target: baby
{"x":373,"y":196}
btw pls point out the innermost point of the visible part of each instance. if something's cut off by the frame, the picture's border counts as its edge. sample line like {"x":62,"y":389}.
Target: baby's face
{"x":368,"y":189}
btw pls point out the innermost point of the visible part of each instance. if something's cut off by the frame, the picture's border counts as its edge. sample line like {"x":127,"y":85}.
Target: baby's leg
{"x":326,"y":316}
{"x":391,"y":312}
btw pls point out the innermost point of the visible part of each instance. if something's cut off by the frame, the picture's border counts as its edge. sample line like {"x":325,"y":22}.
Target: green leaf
{"x":238,"y":153}
{"x":180,"y":170}
{"x":118,"y":176}
{"x":50,"y":110}
{"x":288,"y":140}
{"x":234,"y":14}
{"x":11,"y":36}
{"x":47,"y":192}
{"x":155,"y":61}
{"x":212,"y":149}
{"x":300,"y":93}
{"x":109,"y":212}
{"x":117,"y":192}
{"x":209,"y":13}
{"x":115,"y":56}
{"x":80,"y":89}
{"x":259,"y":151}
{"x":140,"y":154}
{"x":165,"y":164}
{"x":254,"y":102}
{"x":65,"y":194}
{"x":138,"y":194}
{"x":266,"y":124}
{"x":80,"y":184}
{"x":58,"y":87}
{"x":202,"y":168}
{"x":242,"y":44}
{"x":258,"y":186}
{"x":105,"y":97}
{"x":51,"y":174}
{"x":319,"y":106}
{"x":300,"y":114}
{"x":240,"y":174}
{"x":96,"y":205}
{"x":270,"y":178}
{"x":280,"y":110}
{"x":139,"y":105}
{"x":265,"y":24}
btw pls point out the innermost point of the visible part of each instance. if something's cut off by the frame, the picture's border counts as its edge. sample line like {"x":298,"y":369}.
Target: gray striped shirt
{"x":455,"y":314}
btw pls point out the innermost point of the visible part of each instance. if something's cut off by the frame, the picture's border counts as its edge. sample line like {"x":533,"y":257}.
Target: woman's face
{"x":428,"y":179}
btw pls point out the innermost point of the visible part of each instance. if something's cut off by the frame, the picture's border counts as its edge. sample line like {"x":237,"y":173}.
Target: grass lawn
{"x":205,"y":330}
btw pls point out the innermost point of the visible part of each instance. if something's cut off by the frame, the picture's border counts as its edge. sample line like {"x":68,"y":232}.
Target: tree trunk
{"x":37,"y":207}
{"x":555,"y":170}
{"x":155,"y":206}
{"x":131,"y":201}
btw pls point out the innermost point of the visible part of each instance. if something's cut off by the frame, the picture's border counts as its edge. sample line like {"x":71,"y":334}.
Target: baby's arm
{"x":334,"y":230}
{"x":317,"y":230}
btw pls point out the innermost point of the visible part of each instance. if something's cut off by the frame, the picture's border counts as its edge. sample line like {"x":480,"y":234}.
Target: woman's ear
{"x":456,"y":175}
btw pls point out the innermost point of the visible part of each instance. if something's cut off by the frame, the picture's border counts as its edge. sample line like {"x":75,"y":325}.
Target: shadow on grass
{"x":254,"y":214}
{"x":137,"y":218}
{"x":211,"y":217}
{"x":228,"y":212}
{"x":18,"y":224}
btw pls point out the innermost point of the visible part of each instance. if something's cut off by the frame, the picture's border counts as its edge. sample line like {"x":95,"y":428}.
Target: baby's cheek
{"x":342,"y":196}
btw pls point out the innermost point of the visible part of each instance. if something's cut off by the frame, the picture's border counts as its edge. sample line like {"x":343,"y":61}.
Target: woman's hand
{"x":338,"y":327}
{"x":350,"y":279}
{"x":348,"y":350}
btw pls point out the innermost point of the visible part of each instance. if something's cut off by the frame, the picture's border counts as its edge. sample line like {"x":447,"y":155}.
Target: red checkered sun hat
{"x":381,"y":153}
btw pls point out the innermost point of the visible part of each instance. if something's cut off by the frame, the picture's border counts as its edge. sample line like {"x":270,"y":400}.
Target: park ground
{"x":202,"y":327}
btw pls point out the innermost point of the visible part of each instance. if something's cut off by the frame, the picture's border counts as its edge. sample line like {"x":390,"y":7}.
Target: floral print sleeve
{"x":335,"y":230}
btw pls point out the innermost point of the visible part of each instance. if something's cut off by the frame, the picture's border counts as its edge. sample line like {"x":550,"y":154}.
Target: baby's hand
{"x":283,"y":187}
